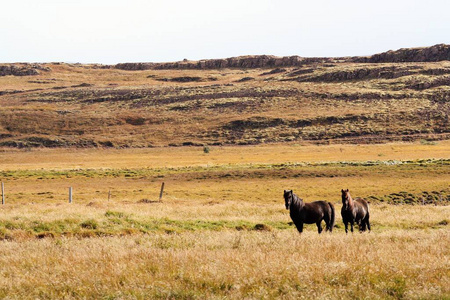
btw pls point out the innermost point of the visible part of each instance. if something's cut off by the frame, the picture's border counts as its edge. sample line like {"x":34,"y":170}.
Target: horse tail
{"x":368,"y":216}
{"x":333,"y":216}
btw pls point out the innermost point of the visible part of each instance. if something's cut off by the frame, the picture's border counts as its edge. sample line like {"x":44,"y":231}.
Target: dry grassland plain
{"x":221,"y":230}
{"x":226,"y":142}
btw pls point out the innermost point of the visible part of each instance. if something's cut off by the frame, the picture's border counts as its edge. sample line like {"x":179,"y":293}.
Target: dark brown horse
{"x":309,"y":213}
{"x":354,"y":211}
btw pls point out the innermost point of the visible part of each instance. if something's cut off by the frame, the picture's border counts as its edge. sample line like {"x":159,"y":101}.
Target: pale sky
{"x":113,"y":31}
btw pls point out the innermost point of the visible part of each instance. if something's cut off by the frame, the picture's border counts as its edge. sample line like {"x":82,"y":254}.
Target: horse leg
{"x":346,"y":227}
{"x":362,"y":227}
{"x":367,"y":222}
{"x":299,"y":226}
{"x":351,"y":226}
{"x":319,"y":226}
{"x":360,"y":224}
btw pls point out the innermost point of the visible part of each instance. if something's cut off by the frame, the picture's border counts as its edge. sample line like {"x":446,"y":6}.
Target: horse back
{"x":314,"y":211}
{"x":362,"y":206}
{"x":363,"y":203}
{"x":318,"y":205}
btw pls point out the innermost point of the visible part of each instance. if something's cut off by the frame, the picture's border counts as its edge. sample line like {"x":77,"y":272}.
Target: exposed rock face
{"x":135,"y":66}
{"x":21,"y":69}
{"x":363,"y":73}
{"x":182,"y":79}
{"x":244,"y":62}
{"x":429,"y":54}
{"x":423,"y":85}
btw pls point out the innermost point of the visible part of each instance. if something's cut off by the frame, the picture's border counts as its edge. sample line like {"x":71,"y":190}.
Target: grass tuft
{"x":89,"y":224}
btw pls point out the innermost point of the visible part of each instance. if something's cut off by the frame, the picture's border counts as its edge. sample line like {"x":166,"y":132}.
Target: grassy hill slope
{"x":353,"y":100}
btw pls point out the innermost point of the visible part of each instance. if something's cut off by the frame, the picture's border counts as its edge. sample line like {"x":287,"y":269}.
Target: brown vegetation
{"x":343,"y":101}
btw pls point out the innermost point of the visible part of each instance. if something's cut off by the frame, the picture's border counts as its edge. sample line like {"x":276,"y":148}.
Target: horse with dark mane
{"x":309,"y":213}
{"x":354,"y":211}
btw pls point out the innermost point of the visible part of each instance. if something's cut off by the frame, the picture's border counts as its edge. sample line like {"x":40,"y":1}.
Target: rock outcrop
{"x":363,"y":73}
{"x":438,"y":52}
{"x":428,"y":54}
{"x":243,"y":62}
{"x":21,"y":69}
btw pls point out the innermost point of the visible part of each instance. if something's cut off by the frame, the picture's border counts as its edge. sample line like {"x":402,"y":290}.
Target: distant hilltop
{"x":434,"y":53}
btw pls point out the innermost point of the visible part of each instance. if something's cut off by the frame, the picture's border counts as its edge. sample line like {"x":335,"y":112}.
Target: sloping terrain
{"x":396,"y":95}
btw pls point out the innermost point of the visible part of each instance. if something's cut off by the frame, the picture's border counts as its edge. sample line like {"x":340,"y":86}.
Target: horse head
{"x":345,"y":198}
{"x":288,"y":198}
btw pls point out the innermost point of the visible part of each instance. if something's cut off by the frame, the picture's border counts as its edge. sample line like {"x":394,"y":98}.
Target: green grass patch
{"x":126,"y":225}
{"x":294,"y":169}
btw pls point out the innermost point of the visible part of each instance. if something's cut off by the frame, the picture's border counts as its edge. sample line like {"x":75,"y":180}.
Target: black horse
{"x":354,"y":211}
{"x":309,"y":213}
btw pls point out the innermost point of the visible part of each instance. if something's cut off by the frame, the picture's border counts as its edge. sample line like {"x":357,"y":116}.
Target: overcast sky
{"x":113,"y":31}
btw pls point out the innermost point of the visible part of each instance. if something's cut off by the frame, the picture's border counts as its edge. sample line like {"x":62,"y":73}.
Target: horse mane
{"x":297,"y":202}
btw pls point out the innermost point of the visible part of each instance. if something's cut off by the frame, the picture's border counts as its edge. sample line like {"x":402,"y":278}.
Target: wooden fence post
{"x":161,"y":193}
{"x":70,"y":194}
{"x":3,"y":193}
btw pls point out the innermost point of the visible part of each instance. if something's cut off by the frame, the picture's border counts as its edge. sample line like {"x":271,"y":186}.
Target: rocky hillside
{"x":438,"y":52}
{"x":22,"y":69}
{"x":427,"y":54}
{"x":242,"y":62}
{"x":243,"y":100}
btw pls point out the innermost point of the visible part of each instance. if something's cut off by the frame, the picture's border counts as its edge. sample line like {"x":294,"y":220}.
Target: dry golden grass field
{"x":221,"y":230}
{"x":226,"y":137}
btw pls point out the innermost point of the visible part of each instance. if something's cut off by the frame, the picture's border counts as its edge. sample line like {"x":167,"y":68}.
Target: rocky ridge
{"x":434,"y":53}
{"x":21,"y":69}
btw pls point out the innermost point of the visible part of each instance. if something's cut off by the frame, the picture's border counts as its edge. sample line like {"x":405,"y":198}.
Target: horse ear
{"x":347,"y":190}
